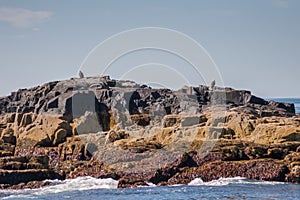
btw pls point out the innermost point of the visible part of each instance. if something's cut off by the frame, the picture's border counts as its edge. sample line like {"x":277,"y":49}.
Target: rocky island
{"x":105,"y":128}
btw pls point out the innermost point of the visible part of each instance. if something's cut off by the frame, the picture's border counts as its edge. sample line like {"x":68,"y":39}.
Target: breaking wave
{"x":56,"y":186}
{"x":89,"y":186}
{"x":228,"y":181}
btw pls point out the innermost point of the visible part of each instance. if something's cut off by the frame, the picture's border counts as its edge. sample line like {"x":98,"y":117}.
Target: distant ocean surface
{"x":295,"y":101}
{"x":224,"y":188}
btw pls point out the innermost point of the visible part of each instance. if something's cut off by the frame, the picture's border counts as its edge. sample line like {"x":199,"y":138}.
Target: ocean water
{"x":224,"y":188}
{"x":295,"y":101}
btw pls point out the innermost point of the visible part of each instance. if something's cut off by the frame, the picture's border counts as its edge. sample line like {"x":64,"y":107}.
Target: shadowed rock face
{"x":98,"y":94}
{"x":75,"y":123}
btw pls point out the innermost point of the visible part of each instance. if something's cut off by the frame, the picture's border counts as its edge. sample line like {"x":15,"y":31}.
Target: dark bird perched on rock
{"x":213,"y":84}
{"x":81,"y":75}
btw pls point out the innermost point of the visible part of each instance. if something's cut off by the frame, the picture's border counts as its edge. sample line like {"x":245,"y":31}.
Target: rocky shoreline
{"x":135,"y":134}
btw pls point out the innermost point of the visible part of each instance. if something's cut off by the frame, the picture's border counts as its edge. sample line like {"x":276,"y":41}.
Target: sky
{"x":255,"y":44}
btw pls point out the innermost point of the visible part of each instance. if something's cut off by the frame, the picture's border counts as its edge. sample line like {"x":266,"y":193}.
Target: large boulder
{"x":48,"y":130}
{"x":7,"y":136}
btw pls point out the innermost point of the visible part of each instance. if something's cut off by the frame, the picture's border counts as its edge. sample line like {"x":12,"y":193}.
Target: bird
{"x":81,"y":75}
{"x":213,"y":84}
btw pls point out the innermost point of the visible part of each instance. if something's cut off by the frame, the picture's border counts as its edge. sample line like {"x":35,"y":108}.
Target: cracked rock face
{"x":137,"y":134}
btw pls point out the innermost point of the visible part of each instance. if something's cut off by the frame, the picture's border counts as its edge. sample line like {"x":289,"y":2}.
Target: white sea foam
{"x":151,"y":184}
{"x":196,"y":181}
{"x":56,"y":186}
{"x":88,"y":183}
{"x":234,"y":180}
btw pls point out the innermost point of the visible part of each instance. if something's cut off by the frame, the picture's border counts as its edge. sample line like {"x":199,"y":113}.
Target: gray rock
{"x":72,"y":98}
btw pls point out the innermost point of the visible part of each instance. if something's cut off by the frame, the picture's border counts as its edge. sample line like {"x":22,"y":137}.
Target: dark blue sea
{"x":224,"y":188}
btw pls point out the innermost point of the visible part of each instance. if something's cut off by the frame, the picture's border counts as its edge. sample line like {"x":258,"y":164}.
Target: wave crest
{"x":57,"y":186}
{"x":228,"y":181}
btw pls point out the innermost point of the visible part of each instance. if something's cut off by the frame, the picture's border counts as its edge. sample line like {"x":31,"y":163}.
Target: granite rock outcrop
{"x":105,"y":128}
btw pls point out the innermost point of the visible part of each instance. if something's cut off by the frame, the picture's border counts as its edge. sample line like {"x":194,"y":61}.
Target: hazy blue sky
{"x":256,"y":44}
